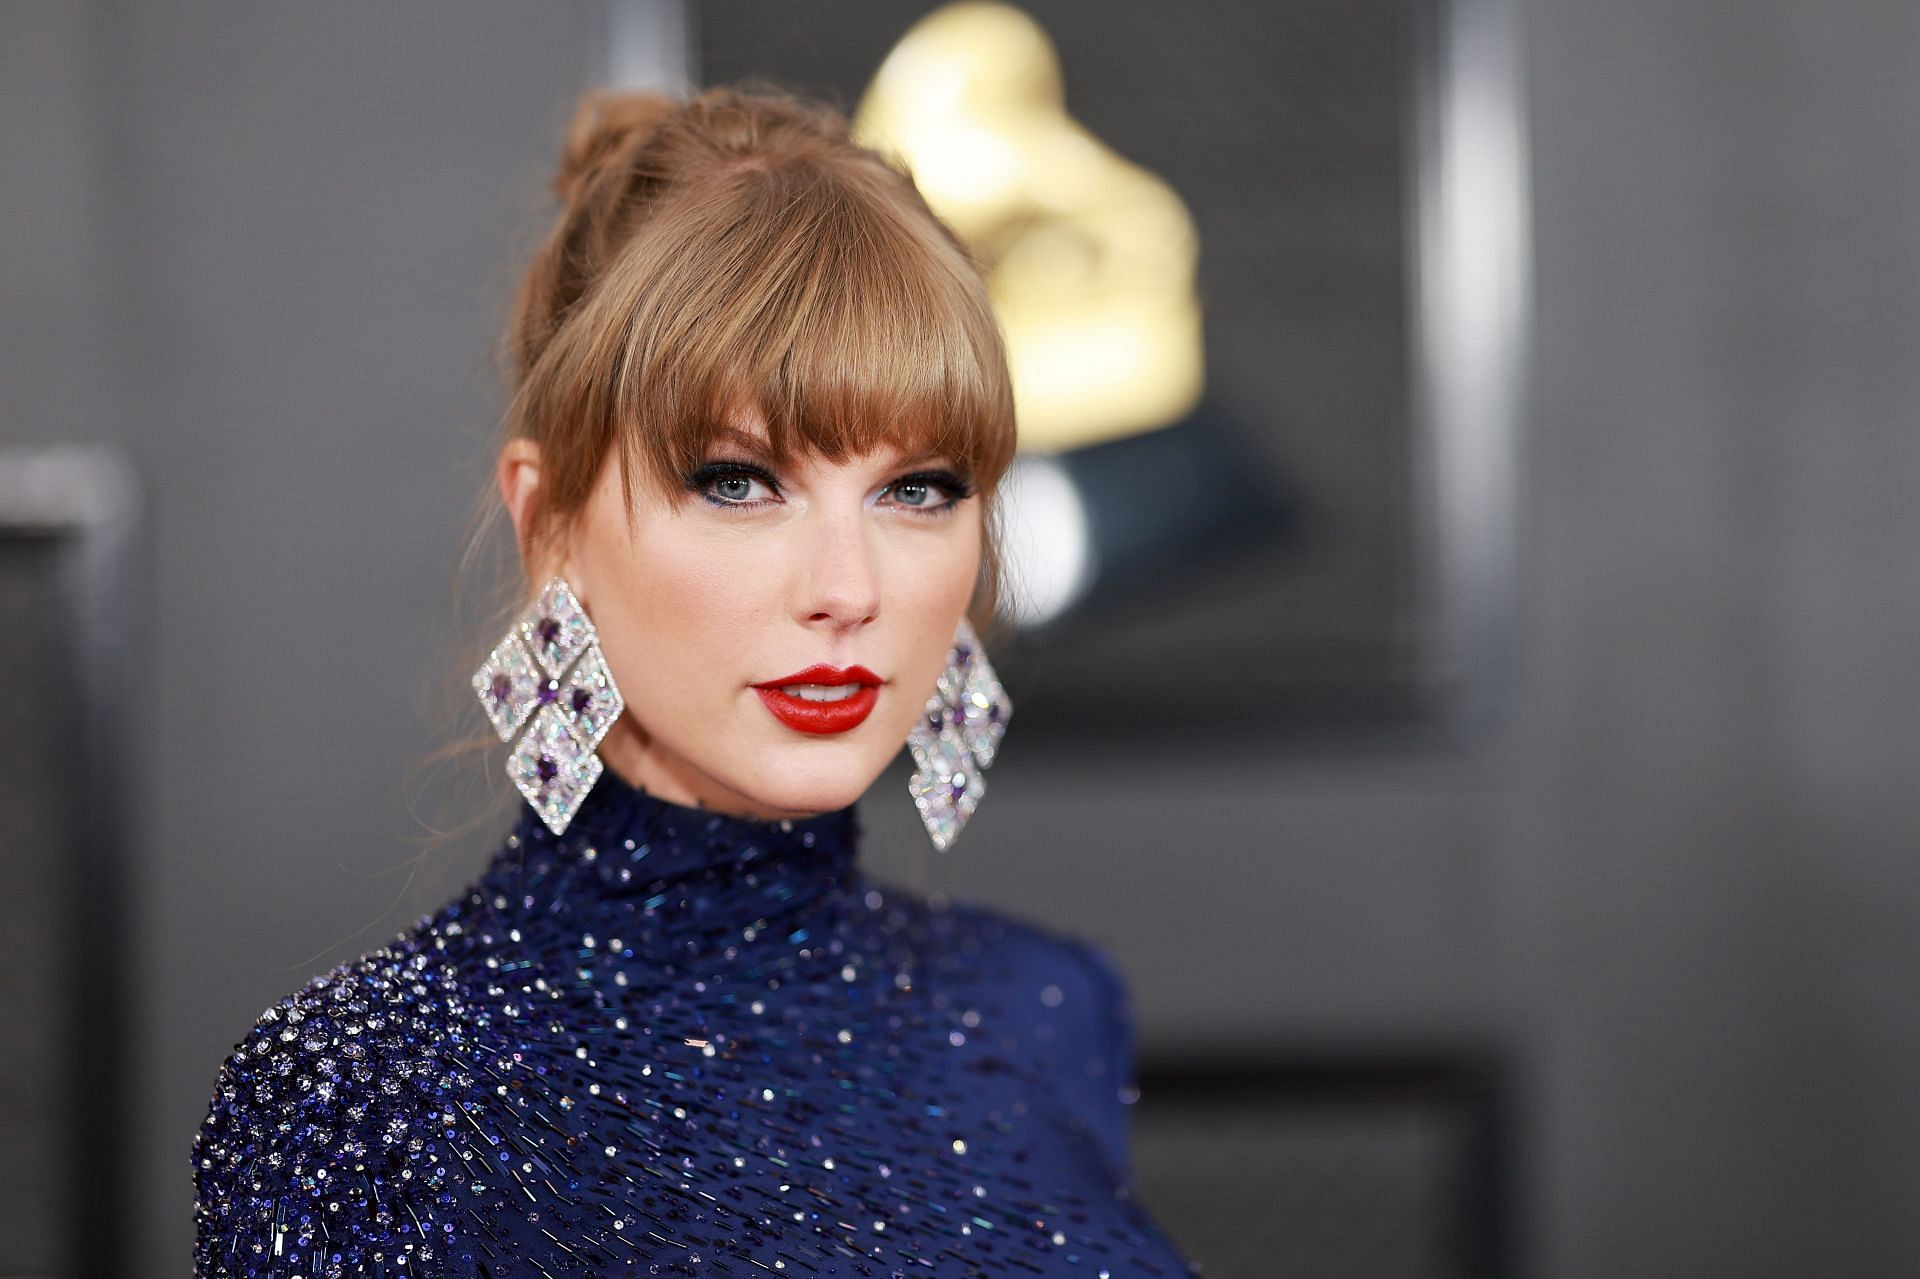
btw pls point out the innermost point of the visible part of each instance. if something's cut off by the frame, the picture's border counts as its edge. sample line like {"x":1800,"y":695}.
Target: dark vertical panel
{"x":1285,"y":130}
{"x":40,"y":831}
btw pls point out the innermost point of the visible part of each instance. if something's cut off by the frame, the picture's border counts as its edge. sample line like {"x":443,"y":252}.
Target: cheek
{"x":928,"y":595}
{"x":681,"y":612}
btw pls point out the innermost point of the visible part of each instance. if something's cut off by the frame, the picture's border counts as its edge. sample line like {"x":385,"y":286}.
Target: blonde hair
{"x":737,"y":249}
{"x":734,"y":249}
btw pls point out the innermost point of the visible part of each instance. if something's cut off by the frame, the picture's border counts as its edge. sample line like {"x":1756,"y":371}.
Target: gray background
{"x":266,"y":251}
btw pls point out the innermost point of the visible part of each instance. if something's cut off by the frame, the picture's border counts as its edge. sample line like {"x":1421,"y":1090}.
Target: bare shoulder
{"x":326,"y":1130}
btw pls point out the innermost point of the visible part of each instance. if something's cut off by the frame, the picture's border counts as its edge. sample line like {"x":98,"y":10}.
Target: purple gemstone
{"x":582,"y":698}
{"x":546,"y":770}
{"x":549,"y":691}
{"x":502,"y":688}
{"x":548,"y":631}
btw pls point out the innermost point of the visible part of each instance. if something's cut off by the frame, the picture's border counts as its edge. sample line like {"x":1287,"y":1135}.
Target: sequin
{"x":672,"y":1042}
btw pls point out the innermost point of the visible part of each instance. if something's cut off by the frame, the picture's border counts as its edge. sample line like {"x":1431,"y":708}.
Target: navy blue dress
{"x":674,"y":1042}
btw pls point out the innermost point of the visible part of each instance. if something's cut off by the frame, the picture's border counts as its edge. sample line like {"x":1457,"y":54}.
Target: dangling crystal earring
{"x":554,"y":765}
{"x":956,"y":739}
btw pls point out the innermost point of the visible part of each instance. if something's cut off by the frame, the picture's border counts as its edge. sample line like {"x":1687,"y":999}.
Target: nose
{"x":841,"y":581}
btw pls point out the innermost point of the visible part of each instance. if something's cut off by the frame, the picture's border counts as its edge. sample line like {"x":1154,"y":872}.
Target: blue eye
{"x":737,"y":488}
{"x":740,"y":484}
{"x":730,"y":483}
{"x":917,"y":492}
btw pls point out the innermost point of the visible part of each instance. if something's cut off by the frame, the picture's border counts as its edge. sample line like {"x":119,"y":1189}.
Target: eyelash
{"x":700,"y":481}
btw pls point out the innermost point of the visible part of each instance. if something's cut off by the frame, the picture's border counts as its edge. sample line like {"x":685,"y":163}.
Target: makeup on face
{"x":739,"y":462}
{"x":822,"y":699}
{"x":827,"y":588}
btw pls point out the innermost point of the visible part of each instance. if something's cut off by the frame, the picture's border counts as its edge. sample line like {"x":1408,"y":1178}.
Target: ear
{"x":518,"y":473}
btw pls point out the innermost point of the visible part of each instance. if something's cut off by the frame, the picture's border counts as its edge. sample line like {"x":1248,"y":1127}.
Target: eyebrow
{"x":756,"y":444}
{"x":931,"y":455}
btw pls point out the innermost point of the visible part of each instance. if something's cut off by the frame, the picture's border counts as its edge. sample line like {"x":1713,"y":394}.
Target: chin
{"x":813,"y":781}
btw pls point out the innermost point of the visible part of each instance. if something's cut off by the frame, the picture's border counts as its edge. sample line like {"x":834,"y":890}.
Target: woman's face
{"x":704,"y":604}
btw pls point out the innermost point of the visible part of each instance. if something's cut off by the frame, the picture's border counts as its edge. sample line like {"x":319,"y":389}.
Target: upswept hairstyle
{"x":738,"y":248}
{"x":733,"y":249}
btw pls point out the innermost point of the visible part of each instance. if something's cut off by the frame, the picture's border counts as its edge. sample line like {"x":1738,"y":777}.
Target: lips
{"x":823,"y":712}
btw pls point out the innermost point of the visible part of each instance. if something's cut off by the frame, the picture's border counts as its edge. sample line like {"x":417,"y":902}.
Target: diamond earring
{"x":956,"y":739}
{"x":554,"y":765}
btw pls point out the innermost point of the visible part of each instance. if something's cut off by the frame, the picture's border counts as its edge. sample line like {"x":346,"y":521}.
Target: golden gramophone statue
{"x":1090,"y":258}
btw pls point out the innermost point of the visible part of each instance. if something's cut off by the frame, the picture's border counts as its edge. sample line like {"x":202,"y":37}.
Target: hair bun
{"x":607,"y":126}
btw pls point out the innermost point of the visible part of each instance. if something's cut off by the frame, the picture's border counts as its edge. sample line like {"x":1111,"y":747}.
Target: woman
{"x":760,"y":411}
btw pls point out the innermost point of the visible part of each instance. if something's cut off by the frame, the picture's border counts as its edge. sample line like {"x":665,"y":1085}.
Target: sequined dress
{"x":674,"y":1042}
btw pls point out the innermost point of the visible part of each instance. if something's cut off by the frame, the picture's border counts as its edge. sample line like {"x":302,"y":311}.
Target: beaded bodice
{"x":673,"y":1042}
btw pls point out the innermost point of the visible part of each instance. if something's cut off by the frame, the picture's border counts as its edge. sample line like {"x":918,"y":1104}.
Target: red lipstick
{"x":822,"y":717}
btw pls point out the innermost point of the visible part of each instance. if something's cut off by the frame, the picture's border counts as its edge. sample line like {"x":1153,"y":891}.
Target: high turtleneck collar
{"x":633,"y":862}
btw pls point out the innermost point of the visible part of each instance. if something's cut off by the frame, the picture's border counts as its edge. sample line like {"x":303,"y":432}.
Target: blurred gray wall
{"x":1713,"y":834}
{"x":266,"y":249}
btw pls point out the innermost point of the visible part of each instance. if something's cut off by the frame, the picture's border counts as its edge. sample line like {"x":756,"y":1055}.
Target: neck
{"x":671,"y":879}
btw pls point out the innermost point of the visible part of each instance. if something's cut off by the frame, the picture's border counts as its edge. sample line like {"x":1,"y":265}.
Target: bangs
{"x":816,"y":302}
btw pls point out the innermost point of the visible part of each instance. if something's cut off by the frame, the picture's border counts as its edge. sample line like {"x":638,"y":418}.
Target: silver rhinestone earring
{"x":956,"y":739}
{"x":554,"y":765}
